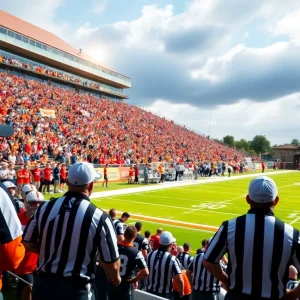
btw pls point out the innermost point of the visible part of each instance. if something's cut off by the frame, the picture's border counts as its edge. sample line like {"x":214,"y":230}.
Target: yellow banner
{"x":50,"y":113}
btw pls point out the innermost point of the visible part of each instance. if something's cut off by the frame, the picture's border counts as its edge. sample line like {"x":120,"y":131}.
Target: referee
{"x":260,"y":248}
{"x":68,"y":231}
{"x":205,"y":286}
{"x":184,"y":257}
{"x":163,"y":266}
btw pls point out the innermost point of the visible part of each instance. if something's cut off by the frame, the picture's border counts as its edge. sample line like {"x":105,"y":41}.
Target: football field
{"x":194,"y":212}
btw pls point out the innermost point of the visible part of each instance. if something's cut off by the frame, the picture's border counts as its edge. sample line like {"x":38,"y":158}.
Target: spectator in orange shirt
{"x":20,"y":180}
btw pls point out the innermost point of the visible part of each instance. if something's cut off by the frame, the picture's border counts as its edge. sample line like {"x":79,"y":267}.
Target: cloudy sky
{"x":228,"y":66}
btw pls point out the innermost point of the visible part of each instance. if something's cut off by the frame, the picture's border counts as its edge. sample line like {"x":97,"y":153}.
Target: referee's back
{"x":260,"y":247}
{"x":68,"y":232}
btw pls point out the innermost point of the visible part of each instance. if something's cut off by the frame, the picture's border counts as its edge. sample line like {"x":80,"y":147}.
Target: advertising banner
{"x":50,"y":113}
{"x":113,"y":174}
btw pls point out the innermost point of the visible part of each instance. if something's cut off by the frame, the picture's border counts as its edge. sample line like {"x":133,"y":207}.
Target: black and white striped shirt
{"x":119,"y":226}
{"x":69,"y":231}
{"x":185,"y":259}
{"x":202,"y":279}
{"x":163,"y":266}
{"x":261,"y":248}
{"x":10,"y":226}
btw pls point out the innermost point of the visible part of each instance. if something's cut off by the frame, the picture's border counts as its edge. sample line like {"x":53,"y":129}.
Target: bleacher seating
{"x":97,"y":130}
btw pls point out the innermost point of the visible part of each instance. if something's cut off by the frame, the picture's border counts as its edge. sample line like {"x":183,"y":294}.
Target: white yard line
{"x":173,"y":184}
{"x":295,"y":221}
{"x":179,"y":224}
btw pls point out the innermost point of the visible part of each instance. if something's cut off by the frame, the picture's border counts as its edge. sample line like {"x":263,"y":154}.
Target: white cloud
{"x":99,"y":6}
{"x":289,"y":25}
{"x":278,"y":120}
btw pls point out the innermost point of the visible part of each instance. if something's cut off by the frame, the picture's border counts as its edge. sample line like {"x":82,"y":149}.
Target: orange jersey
{"x":47,"y":173}
{"x":105,"y":171}
{"x":187,"y":285}
{"x":29,"y":263}
{"x":11,"y":254}
{"x":26,"y":174}
{"x":20,"y":176}
{"x":63,"y":173}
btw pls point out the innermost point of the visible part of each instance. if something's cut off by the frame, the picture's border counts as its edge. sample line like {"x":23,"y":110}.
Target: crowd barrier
{"x":140,"y":295}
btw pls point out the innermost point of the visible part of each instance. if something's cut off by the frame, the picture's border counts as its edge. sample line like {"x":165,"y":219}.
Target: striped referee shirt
{"x":69,"y":231}
{"x":119,"y":226}
{"x":203,"y":281}
{"x":10,"y":226}
{"x":185,"y":259}
{"x":163,"y":266}
{"x":261,"y":248}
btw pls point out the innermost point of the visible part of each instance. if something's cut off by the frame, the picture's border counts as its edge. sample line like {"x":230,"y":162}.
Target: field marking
{"x":179,"y":224}
{"x":168,"y":206}
{"x":295,"y":221}
{"x":177,"y":184}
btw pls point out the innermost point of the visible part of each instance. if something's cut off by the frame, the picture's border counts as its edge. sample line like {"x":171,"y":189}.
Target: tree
{"x":242,"y":145}
{"x":295,"y":142}
{"x":260,"y":144}
{"x":228,"y":140}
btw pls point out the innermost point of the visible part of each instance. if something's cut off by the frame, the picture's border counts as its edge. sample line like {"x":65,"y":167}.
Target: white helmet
{"x":8,"y":184}
{"x":26,"y":189}
{"x":33,"y":200}
{"x":35,"y":196}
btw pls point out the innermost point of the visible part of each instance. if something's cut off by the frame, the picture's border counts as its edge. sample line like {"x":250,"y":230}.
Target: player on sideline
{"x":105,"y":176}
{"x":130,"y":258}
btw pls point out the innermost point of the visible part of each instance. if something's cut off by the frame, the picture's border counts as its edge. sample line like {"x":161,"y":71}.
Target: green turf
{"x":208,"y":204}
{"x":98,"y":188}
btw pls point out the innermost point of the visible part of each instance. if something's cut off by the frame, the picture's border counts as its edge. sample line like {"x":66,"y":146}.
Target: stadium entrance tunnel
{"x":296,"y":160}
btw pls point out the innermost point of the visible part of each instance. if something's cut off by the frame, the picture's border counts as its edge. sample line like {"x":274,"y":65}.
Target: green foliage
{"x":229,"y":140}
{"x":295,"y":142}
{"x":260,"y":144}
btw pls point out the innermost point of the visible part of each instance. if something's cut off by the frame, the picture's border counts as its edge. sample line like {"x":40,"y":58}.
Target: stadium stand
{"x":98,"y":130}
{"x":63,"y":107}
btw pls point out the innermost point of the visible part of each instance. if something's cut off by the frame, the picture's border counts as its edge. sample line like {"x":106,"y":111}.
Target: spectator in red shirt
{"x":47,"y":175}
{"x":27,"y":175}
{"x":36,"y":174}
{"x":154,"y":239}
{"x":63,"y":176}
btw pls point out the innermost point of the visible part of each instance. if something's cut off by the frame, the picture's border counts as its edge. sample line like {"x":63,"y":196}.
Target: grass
{"x":207,"y":204}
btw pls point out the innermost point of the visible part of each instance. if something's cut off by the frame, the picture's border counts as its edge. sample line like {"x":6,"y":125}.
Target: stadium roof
{"x":16,"y":24}
{"x":286,"y":147}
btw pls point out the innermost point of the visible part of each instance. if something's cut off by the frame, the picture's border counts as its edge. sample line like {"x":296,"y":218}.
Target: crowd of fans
{"x":48,"y":71}
{"x":97,"y":130}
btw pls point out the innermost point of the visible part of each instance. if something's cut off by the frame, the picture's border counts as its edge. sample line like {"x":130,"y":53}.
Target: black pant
{"x":59,"y":288}
{"x":101,"y":284}
{"x":121,"y":292}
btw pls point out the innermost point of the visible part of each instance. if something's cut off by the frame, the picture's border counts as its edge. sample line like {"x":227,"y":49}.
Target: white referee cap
{"x":263,"y":189}
{"x":166,"y":238}
{"x":82,"y":173}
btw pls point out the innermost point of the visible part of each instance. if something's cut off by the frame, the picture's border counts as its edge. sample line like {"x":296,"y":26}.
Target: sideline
{"x":176,"y":184}
{"x":171,"y":222}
